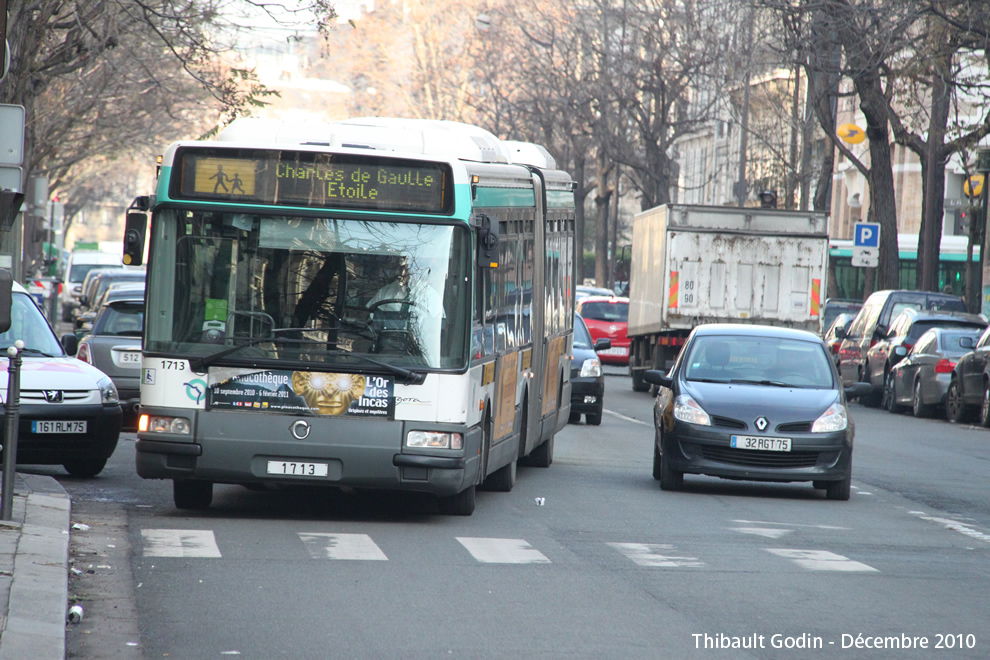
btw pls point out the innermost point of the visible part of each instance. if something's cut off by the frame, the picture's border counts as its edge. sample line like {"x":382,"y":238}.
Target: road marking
{"x":179,"y":543}
{"x":762,"y":531}
{"x":955,"y":526}
{"x":502,"y":551}
{"x":342,"y":546}
{"x":822,"y":560}
{"x":628,"y":419}
{"x":770,"y":522}
{"x":648,"y":554}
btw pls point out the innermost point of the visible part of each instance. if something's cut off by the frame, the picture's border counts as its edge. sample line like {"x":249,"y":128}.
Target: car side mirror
{"x":900,"y":351}
{"x":858,"y":389}
{"x":880,"y":332}
{"x":603,"y":344}
{"x":840,"y":332}
{"x":657,"y":377}
{"x":70,"y":343}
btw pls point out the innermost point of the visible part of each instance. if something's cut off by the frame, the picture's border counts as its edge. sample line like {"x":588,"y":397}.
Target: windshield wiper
{"x":772,"y":383}
{"x":35,"y":351}
{"x":199,"y":364}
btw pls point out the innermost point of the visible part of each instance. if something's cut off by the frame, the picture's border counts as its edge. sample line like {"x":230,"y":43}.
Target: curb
{"x":34,"y":621}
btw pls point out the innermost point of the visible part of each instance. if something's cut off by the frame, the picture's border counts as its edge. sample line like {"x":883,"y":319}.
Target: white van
{"x":70,"y":411}
{"x":81,"y":262}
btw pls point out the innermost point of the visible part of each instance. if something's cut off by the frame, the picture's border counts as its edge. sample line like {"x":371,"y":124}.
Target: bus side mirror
{"x":134,"y":231}
{"x":6,"y":298}
{"x":487,"y":233}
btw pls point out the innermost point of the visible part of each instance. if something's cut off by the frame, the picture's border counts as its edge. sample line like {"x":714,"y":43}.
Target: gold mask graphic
{"x":328,"y":393}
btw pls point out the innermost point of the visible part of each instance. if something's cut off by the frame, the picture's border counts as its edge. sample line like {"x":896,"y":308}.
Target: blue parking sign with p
{"x":867,"y":234}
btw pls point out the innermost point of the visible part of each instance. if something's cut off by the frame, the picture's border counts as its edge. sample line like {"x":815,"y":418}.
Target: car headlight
{"x":592,"y":368}
{"x":108,"y":391}
{"x":833,"y":419}
{"x":687,"y":410}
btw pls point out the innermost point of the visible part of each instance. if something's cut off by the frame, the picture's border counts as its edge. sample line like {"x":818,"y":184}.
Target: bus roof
{"x":429,"y":137}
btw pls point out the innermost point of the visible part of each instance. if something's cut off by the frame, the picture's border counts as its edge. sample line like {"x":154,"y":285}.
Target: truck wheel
{"x":638,"y":384}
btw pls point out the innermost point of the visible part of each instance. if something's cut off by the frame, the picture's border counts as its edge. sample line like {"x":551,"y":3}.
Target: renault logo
{"x":300,"y":429}
{"x":762,"y":423}
{"x":53,"y":396}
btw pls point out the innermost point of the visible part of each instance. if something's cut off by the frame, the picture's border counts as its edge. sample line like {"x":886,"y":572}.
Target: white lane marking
{"x":649,"y":554}
{"x":179,"y":543}
{"x":628,"y":419}
{"x":822,"y":560}
{"x":762,"y":531}
{"x":502,"y":551}
{"x":342,"y":546}
{"x":955,"y":526}
{"x":787,"y":524}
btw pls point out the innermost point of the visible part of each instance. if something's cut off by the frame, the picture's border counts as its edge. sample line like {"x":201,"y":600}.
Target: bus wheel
{"x":542,"y":456}
{"x":503,"y":479}
{"x":189,"y":494}
{"x":461,"y":504}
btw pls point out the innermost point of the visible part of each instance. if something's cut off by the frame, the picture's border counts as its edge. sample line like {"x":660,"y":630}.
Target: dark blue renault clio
{"x":755,"y":403}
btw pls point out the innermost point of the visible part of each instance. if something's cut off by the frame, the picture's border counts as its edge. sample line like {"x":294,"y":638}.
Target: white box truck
{"x":712,"y":264}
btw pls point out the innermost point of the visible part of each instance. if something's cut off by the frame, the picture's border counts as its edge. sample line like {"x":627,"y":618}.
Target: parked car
{"x":581,"y":292}
{"x":753,"y":402}
{"x":101,"y":283}
{"x":833,"y":307}
{"x":921,"y":379}
{"x":114,"y":347}
{"x":904,"y":331}
{"x":70,"y":412}
{"x":832,"y":339}
{"x":607,"y":318}
{"x":587,"y":378}
{"x":872,"y":323}
{"x":969,"y":383}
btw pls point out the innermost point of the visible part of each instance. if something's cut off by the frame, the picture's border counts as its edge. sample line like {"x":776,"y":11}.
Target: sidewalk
{"x":34,"y":559}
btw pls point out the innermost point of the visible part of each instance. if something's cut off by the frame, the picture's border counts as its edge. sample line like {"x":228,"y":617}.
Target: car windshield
{"x":28,"y":325}
{"x":769,"y":361}
{"x":582,"y":338}
{"x":606,"y":311}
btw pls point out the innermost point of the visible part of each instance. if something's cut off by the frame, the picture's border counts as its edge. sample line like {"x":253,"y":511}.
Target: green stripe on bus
{"x":504,"y":197}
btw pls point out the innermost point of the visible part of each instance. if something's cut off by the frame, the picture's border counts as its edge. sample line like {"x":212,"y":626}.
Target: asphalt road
{"x":586,"y":559}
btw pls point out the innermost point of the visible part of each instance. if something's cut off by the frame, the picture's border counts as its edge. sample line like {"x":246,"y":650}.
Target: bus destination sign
{"x":313,"y":179}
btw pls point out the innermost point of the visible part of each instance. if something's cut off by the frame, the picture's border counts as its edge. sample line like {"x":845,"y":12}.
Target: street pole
{"x":983,"y":167}
{"x":11,"y":419}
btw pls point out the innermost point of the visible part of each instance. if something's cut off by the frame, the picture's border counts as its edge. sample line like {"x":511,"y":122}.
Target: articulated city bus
{"x":375,"y":303}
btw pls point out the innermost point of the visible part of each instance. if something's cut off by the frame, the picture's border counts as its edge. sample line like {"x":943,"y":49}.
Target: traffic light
{"x":960,"y":227}
{"x":134,"y":230}
{"x":768,"y":199}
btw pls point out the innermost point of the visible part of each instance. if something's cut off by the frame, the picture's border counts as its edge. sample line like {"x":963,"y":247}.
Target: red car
{"x":607,"y":318}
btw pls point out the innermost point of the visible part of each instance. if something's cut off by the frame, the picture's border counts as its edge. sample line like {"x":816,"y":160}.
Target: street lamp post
{"x":983,"y":167}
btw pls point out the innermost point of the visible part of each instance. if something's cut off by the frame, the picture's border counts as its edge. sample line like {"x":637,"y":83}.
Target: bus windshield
{"x":233,"y":288}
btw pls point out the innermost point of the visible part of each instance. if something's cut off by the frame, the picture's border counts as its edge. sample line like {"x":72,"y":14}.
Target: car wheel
{"x":656,"y":461}
{"x":985,"y":406}
{"x":918,"y":407}
{"x":670,"y":479}
{"x":574,"y":418}
{"x":955,"y":409}
{"x":889,"y":400}
{"x":872,"y":399}
{"x":461,"y":504}
{"x":85,"y":468}
{"x":594,"y":420}
{"x":839,"y":490}
{"x":189,"y":494}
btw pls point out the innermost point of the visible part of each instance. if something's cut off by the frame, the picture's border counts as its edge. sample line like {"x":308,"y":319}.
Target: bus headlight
{"x":434,"y":440}
{"x":162,"y":424}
